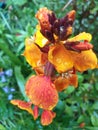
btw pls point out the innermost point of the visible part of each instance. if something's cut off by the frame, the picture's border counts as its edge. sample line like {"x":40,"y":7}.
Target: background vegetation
{"x":77,"y":108}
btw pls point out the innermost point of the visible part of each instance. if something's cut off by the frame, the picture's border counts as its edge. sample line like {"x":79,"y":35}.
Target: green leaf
{"x":80,"y":78}
{"x":96,"y":85}
{"x":68,"y":110}
{"x":20,"y":80}
{"x":61,"y":105}
{"x":91,"y":128}
{"x":94,"y":9}
{"x":16,"y":2}
{"x":94,"y":119}
{"x":86,"y":86}
{"x":20,"y":2}
{"x":2,"y":127}
{"x":95,"y":105}
{"x":69,"y":90}
{"x":12,"y":56}
{"x":80,"y":119}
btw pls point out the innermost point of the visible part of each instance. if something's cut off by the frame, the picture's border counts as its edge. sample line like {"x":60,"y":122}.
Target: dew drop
{"x":58,"y":60}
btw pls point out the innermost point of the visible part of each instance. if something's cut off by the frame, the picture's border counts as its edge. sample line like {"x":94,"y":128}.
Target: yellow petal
{"x":40,"y":39}
{"x":33,"y":54}
{"x":60,"y":58}
{"x":85,"y":60}
{"x":81,"y":36}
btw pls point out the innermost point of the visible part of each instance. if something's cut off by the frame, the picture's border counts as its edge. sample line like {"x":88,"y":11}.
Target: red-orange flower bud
{"x":43,"y":16}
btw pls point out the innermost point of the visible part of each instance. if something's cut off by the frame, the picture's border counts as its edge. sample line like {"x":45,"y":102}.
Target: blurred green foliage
{"x":77,"y":108}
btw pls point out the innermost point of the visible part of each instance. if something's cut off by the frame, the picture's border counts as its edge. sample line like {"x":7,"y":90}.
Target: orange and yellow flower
{"x":51,"y":50}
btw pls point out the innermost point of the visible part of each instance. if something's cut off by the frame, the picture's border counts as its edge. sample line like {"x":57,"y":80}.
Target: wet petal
{"x":33,"y":54}
{"x":84,"y":60}
{"x":73,"y":80}
{"x":60,"y":58}
{"x":43,"y":16}
{"x":39,"y":70}
{"x":35,"y":112}
{"x":81,"y":36}
{"x":47,"y":117}
{"x":42,"y":92}
{"x":71,"y":15}
{"x":82,"y":46}
{"x":23,"y":105}
{"x":40,"y":39}
{"x":97,"y":65}
{"x":61,"y":83}
{"x":68,"y":31}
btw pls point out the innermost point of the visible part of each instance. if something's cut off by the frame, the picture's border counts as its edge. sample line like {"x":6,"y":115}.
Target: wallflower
{"x":51,"y":50}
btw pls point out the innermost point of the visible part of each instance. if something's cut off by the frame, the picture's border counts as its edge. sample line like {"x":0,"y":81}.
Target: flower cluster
{"x":56,"y":58}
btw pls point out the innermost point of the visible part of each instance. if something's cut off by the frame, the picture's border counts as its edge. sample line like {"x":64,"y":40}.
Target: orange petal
{"x":39,"y":70}
{"x":73,"y":80}
{"x":60,"y":58}
{"x":71,"y":15}
{"x":84,"y":60}
{"x":33,"y":54}
{"x":82,"y":46}
{"x":42,"y":92}
{"x":35,"y":111}
{"x":61,"y":83}
{"x":69,"y":31}
{"x":97,"y":65}
{"x":47,"y":117}
{"x":23,"y":105}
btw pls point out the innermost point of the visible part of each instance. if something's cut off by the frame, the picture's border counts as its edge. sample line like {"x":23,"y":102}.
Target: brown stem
{"x":49,"y":69}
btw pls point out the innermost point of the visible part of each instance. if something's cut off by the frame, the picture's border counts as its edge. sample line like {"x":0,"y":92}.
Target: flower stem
{"x":49,"y":69}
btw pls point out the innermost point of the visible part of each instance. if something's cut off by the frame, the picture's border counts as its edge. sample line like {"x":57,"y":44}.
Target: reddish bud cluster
{"x":78,"y":46}
{"x":50,"y":25}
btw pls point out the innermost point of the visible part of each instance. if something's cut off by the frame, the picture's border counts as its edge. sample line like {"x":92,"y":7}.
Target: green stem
{"x":5,"y":21}
{"x":20,"y":80}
